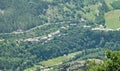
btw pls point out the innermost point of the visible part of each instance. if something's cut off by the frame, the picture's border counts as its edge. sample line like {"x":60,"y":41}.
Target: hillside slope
{"x":26,"y":14}
{"x":32,"y":32}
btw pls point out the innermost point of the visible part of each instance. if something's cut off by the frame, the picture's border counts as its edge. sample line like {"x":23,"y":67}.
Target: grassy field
{"x":58,"y":60}
{"x":53,"y":62}
{"x":112,"y":19}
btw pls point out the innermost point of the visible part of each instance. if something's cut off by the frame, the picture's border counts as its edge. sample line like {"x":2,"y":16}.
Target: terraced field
{"x":53,"y":62}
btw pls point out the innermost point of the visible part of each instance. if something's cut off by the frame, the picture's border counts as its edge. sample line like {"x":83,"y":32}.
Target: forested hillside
{"x":26,"y":14}
{"x":32,"y":31}
{"x":22,"y":54}
{"x":111,"y":63}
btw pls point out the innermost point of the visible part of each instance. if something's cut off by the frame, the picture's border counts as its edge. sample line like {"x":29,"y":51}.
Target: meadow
{"x":112,"y":19}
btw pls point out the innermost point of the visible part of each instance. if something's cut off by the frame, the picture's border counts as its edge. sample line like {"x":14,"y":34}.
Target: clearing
{"x":112,"y":19}
{"x":52,"y":62}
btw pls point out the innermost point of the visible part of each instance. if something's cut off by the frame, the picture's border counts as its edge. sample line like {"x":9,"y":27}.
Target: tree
{"x":116,"y":4}
{"x":111,"y":64}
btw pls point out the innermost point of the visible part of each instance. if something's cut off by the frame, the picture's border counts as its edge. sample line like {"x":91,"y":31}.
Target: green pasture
{"x":112,"y":19}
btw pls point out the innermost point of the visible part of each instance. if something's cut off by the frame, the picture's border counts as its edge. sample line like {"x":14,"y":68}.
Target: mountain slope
{"x":26,"y":14}
{"x":32,"y":31}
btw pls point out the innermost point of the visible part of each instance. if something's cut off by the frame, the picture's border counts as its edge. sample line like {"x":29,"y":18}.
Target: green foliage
{"x":116,"y":4}
{"x":21,"y":15}
{"x":28,"y":53}
{"x":111,"y":64}
{"x":26,"y":14}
